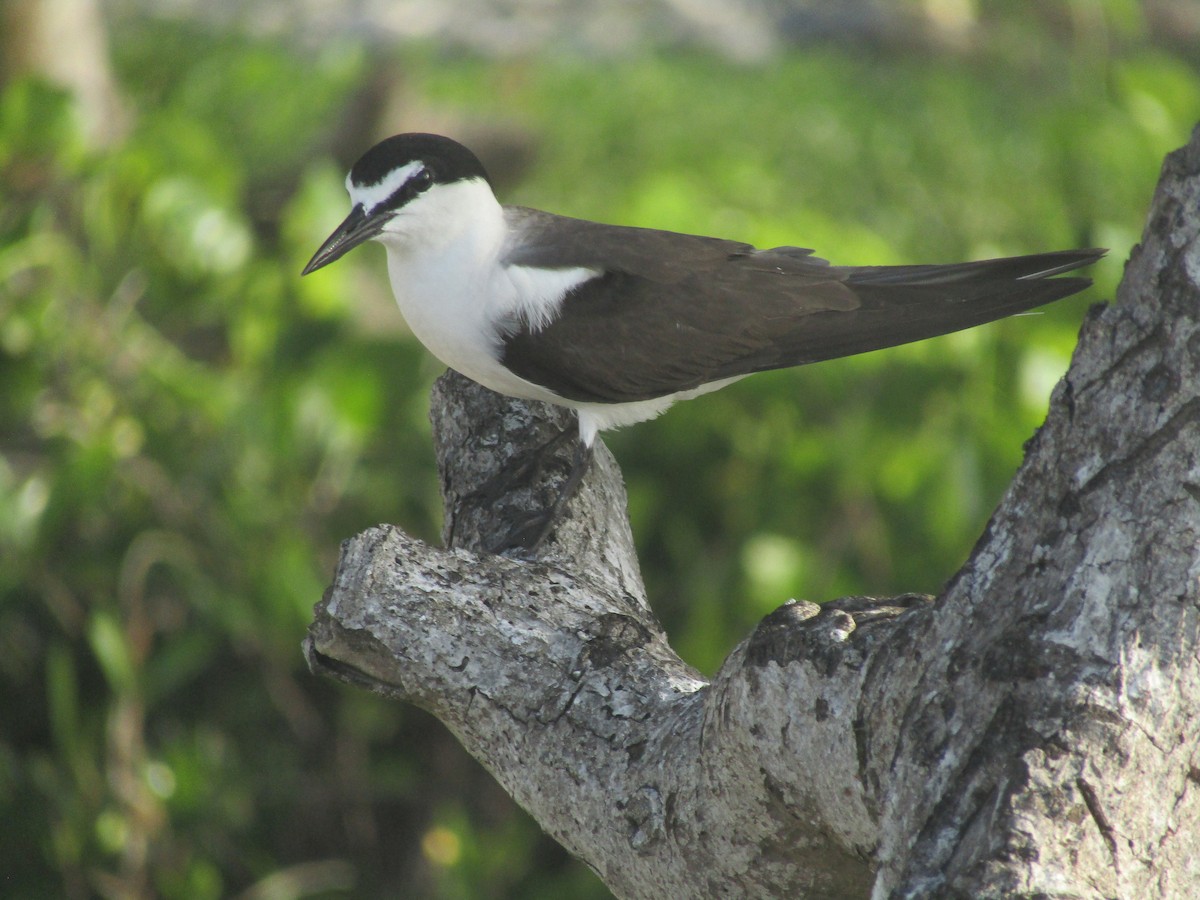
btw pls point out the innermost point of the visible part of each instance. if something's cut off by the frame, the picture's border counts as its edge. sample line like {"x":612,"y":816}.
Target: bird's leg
{"x":527,"y":471}
{"x":579,"y":466}
{"x":530,"y":535}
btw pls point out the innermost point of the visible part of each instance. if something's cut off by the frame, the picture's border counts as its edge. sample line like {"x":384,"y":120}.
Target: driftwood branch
{"x":1032,"y":732}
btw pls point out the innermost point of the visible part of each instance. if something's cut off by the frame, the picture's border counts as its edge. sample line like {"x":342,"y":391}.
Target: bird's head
{"x":407,"y":185}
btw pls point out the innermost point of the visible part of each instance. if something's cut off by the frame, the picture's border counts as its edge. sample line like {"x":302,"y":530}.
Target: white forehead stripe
{"x":371,"y":195}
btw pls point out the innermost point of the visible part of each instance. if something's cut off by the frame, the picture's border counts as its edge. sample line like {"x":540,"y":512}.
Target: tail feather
{"x":902,"y":304}
{"x":1018,"y":268}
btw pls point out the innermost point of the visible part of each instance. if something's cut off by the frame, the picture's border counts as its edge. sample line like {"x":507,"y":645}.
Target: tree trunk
{"x":1030,"y":733}
{"x":66,"y":42}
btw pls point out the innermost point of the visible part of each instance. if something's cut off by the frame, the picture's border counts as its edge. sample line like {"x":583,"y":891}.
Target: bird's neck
{"x":442,"y":257}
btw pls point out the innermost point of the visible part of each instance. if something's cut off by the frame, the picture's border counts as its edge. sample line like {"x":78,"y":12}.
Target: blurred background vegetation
{"x":187,"y":429}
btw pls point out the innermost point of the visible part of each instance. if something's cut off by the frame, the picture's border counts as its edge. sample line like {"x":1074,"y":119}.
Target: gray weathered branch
{"x":1032,"y":732}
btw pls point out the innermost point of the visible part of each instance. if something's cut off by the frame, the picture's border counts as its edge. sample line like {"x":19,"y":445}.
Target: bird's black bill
{"x":357,"y":228}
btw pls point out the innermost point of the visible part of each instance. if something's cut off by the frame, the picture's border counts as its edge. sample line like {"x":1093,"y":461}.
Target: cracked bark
{"x":1033,"y":732}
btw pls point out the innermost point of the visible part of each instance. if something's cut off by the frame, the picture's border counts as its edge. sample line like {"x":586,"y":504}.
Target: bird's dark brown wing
{"x":555,"y":242}
{"x":672,"y":312}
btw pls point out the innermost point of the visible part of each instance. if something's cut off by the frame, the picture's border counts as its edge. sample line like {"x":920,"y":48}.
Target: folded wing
{"x":672,"y":312}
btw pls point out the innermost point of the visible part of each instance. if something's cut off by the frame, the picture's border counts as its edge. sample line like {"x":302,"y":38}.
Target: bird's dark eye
{"x":422,"y":181}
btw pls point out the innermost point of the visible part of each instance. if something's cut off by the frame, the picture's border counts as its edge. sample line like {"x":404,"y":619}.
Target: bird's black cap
{"x":446,"y":160}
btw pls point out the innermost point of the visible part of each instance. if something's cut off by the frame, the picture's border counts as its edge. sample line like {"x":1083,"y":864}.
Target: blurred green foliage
{"x":187,"y":429}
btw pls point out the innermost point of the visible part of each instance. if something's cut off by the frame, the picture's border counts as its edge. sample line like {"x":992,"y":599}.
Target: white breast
{"x":444,"y":264}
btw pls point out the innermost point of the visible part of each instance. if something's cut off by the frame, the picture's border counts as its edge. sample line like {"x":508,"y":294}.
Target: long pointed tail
{"x":901,"y":304}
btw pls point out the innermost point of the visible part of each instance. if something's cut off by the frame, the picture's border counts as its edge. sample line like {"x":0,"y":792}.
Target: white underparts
{"x":596,"y":417}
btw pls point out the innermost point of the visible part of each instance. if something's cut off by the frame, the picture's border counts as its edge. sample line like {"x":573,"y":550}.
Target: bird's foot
{"x":527,"y":537}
